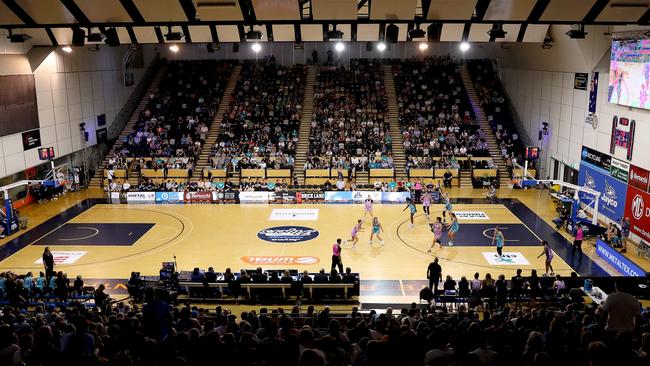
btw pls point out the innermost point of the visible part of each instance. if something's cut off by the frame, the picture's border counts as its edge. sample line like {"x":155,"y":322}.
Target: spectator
{"x":434,"y":274}
{"x":622,"y":309}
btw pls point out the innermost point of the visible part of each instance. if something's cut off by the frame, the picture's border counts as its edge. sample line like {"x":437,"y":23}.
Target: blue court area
{"x":110,"y":234}
{"x":481,"y":235}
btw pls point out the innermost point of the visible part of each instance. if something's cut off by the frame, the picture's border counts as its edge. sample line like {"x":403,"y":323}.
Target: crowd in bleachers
{"x":260,"y":127}
{"x":176,"y":119}
{"x":435,"y":117}
{"x":492,"y":97}
{"x":349,"y":126}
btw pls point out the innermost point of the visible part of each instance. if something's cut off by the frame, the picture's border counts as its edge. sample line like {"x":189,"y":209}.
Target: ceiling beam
{"x":186,"y":33}
{"x":132,"y":36}
{"x":214,"y":33}
{"x":159,"y":35}
{"x":242,"y":32}
{"x":481,"y":8}
{"x":361,"y":4}
{"x":133,"y":11}
{"x":468,"y":26}
{"x":353,"y":32}
{"x":522,"y":32}
{"x":247,"y":11}
{"x":189,"y":9}
{"x":538,"y":10}
{"x":20,"y":12}
{"x":645,"y":18}
{"x":76,"y":12}
{"x":595,"y":11}
{"x":51,"y":36}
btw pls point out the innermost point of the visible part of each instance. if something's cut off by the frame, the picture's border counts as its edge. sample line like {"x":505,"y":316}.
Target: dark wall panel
{"x":18,"y":110}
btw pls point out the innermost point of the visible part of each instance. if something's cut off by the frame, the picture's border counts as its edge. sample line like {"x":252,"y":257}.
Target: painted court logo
{"x":280,"y":260}
{"x":287,"y":234}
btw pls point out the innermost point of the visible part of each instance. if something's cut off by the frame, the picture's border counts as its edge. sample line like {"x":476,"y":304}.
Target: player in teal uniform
{"x":412,"y":210}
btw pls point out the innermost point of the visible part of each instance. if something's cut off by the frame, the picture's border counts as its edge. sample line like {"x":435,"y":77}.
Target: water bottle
{"x":588,"y":285}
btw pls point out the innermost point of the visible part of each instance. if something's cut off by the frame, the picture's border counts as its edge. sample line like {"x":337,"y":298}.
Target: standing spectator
{"x":625,"y":232}
{"x":101,"y":298}
{"x":48,"y":263}
{"x":623,"y":310}
{"x":434,"y":274}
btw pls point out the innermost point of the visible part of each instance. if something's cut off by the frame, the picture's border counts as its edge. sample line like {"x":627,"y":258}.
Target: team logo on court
{"x":280,"y":260}
{"x":638,"y":206}
{"x":287,"y":234}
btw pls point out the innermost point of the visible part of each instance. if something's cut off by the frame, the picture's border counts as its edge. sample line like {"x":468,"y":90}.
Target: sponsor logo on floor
{"x":471,"y":215}
{"x":508,"y":258}
{"x":280,"y":260}
{"x":298,"y":214}
{"x":287,"y":234}
{"x":63,"y":257}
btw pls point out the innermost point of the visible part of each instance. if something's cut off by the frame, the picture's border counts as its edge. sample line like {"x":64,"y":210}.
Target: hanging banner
{"x":593,"y":92}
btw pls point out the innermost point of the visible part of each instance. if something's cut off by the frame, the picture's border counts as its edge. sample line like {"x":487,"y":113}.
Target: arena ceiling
{"x":50,"y":22}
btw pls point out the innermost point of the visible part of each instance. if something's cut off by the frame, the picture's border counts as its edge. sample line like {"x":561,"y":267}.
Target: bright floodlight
{"x":173,"y":48}
{"x":381,"y":46}
{"x":423,"y":46}
{"x":464,"y":46}
{"x":339,"y":46}
{"x":66,"y":49}
{"x":256,"y":47}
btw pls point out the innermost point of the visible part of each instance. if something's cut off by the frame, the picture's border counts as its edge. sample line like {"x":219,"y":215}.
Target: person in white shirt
{"x":340,"y":184}
{"x":126,"y":186}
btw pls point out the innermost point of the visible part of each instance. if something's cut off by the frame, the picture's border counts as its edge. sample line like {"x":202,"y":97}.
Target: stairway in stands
{"x":305,"y":125}
{"x":465,"y":179}
{"x":213,"y":132}
{"x":97,"y":180}
{"x":495,"y":152}
{"x":399,"y":157}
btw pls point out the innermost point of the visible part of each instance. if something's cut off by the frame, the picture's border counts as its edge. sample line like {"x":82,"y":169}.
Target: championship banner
{"x":141,"y":197}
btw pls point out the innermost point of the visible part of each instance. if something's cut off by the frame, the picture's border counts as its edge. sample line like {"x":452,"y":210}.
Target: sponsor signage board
{"x":140,"y":196}
{"x":638,"y":178}
{"x":169,"y":197}
{"x":291,"y":214}
{"x":508,"y":258}
{"x":313,"y":196}
{"x":338,"y":196}
{"x":623,"y":265}
{"x":394,"y":197}
{"x":195,"y":196}
{"x":254,"y":197}
{"x":282,"y":197}
{"x":619,"y":170}
{"x":596,"y":158}
{"x":280,"y":260}
{"x":287,"y":234}
{"x":361,"y":196}
{"x":225,"y":196}
{"x":612,"y":191}
{"x":64,"y":257}
{"x":637,"y":208}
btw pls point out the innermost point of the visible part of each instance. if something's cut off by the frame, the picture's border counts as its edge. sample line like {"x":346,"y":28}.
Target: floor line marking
{"x":401,"y":286}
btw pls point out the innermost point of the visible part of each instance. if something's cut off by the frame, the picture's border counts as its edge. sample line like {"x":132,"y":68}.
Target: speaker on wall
{"x":235,"y":47}
{"x":392,"y":31}
{"x":78,"y":37}
{"x":368,"y":46}
{"x":111,"y":37}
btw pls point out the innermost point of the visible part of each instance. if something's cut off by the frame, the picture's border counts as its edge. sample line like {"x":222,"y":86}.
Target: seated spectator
{"x":450,"y":284}
{"x":197,"y":275}
{"x":321,"y":277}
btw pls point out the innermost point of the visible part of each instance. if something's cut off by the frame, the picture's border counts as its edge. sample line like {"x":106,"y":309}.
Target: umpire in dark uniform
{"x":434,"y":274}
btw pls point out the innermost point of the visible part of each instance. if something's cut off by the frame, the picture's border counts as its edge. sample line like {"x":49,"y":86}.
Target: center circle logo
{"x":638,"y":207}
{"x":288,"y":234}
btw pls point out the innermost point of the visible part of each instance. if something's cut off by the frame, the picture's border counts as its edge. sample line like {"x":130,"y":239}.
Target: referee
{"x":336,"y":256}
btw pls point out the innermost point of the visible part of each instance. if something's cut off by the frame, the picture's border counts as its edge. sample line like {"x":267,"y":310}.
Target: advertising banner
{"x":140,"y":196}
{"x":254,"y":197}
{"x":596,"y":158}
{"x":198,"y":196}
{"x":612,"y":191}
{"x":361,"y":196}
{"x":294,"y":214}
{"x":637,"y":208}
{"x":638,"y":178}
{"x":169,"y":197}
{"x":394,"y":197}
{"x":282,"y":197}
{"x":618,"y":260}
{"x":309,"y":197}
{"x":338,"y":196}
{"x":619,"y":170}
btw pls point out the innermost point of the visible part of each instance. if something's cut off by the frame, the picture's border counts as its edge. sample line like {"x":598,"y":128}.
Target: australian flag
{"x":593,"y":92}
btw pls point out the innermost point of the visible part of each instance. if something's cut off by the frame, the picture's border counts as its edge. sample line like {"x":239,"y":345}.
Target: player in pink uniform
{"x":368,"y":207}
{"x":355,"y":233}
{"x":437,"y":234}
{"x":426,"y":203}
